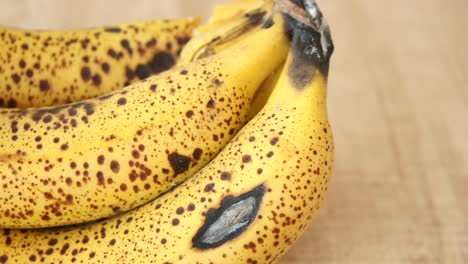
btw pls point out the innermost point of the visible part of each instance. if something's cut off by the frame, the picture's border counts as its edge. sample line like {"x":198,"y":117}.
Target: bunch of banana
{"x":247,"y":205}
{"x":44,"y":68}
{"x":88,"y":160}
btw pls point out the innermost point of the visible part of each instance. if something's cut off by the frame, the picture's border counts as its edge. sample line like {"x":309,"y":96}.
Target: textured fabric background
{"x":398,"y":101}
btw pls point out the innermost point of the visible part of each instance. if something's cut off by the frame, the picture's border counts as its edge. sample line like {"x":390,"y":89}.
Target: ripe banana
{"x":80,"y":162}
{"x":44,"y":68}
{"x":247,"y":206}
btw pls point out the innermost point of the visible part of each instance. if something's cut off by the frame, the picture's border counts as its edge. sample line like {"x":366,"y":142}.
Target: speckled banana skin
{"x":84,"y":161}
{"x":269,"y":181}
{"x":44,"y":68}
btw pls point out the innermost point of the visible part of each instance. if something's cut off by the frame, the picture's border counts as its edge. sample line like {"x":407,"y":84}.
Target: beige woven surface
{"x":398,"y":101}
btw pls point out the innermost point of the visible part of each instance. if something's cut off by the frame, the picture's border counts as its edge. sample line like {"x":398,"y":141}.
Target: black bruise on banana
{"x":268,"y":23}
{"x":179,"y":163}
{"x":308,"y":53}
{"x":220,"y":224}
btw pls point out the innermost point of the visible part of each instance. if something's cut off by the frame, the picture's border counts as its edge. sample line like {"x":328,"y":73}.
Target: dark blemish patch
{"x":246,"y":158}
{"x":251,"y":138}
{"x":189,"y":114}
{"x":105,"y":67}
{"x":69,"y":198}
{"x":8,"y":241}
{"x":48,"y":196}
{"x":184,"y":72}
{"x":230,"y":220}
{"x":142,"y":71}
{"x":69,"y":181}
{"x":122,"y":101}
{"x":85,"y":74}
{"x":72,"y":111}
{"x":64,"y":146}
{"x":89,"y":109}
{"x":129,"y":73}
{"x":180,"y":210}
{"x":115,"y":166}
{"x":100,"y":159}
{"x":179,"y":163}
{"x":210,"y":104}
{"x":52,"y":242}
{"x":22,"y":64}
{"x":209,"y":187}
{"x":100,"y":177}
{"x":197,"y":153}
{"x":161,"y":62}
{"x":175,"y":222}
{"x":97,"y":80}
{"x":274,"y":140}
{"x":307,"y":52}
{"x":11,"y":103}
{"x":182,"y":40}
{"x":126,"y":45}
{"x":112,"y":30}
{"x":217,"y":82}
{"x":16,"y":78}
{"x":225,"y":176}
{"x":270,"y":22}
{"x":191,"y":207}
{"x":3,"y":259}
{"x":64,"y":249}
{"x":151,"y":43}
{"x":112,"y":54}
{"x":44,"y":85}
{"x":47,"y":119}
{"x":153,"y":87}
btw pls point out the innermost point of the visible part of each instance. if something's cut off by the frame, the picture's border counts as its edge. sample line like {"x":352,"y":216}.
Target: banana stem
{"x":252,"y":19}
{"x":309,"y":17}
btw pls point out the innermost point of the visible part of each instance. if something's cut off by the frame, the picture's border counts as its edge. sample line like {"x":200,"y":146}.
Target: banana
{"x":44,"y":68}
{"x":248,"y":205}
{"x":84,"y":161}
